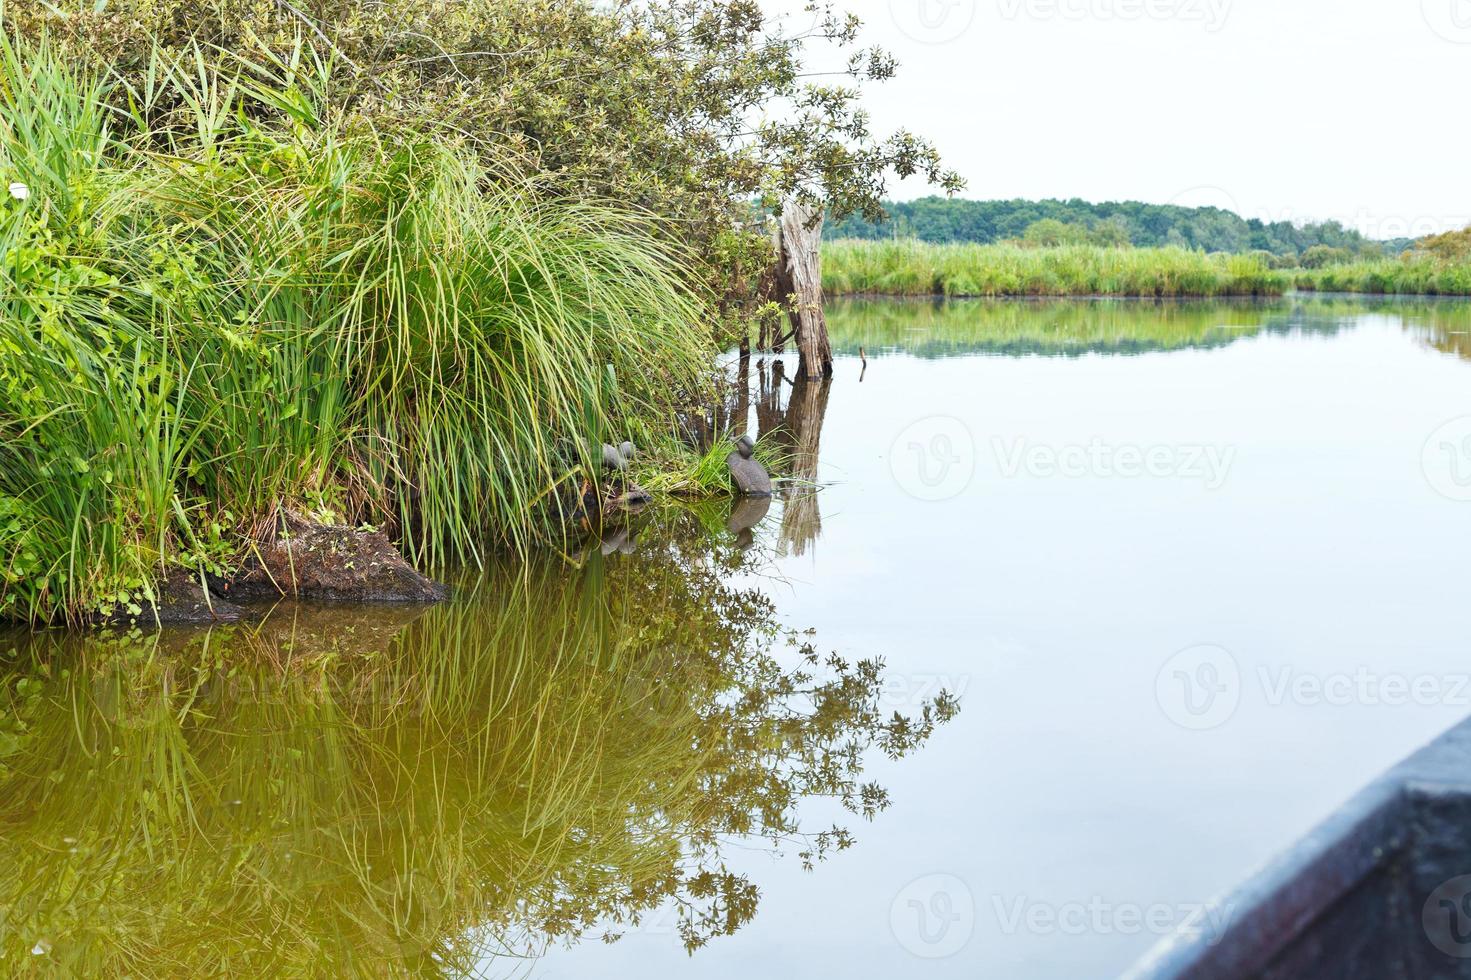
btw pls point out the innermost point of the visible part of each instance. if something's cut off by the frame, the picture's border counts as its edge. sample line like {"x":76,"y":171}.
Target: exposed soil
{"x":308,"y":560}
{"x":182,"y":601}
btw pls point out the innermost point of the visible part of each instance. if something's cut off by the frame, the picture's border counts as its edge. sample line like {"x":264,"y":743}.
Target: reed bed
{"x":1417,"y":275}
{"x":911,"y":268}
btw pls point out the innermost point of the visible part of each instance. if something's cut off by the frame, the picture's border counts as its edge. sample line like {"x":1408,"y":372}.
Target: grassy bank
{"x":200,"y":331}
{"x":909,"y":268}
{"x":1412,"y":275}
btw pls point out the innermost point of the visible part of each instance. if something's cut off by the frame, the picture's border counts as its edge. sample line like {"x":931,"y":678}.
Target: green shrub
{"x":656,"y":116}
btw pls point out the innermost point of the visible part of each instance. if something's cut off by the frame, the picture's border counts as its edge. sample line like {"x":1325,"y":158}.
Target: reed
{"x":1413,"y":274}
{"x":911,"y":268}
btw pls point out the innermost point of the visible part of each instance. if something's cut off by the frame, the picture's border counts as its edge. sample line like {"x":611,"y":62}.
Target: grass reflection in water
{"x":1070,"y":328}
{"x":555,"y":754}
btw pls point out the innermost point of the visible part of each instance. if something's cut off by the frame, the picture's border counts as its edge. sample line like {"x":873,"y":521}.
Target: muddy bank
{"x":303,"y":560}
{"x":180,"y":598}
{"x":307,"y":560}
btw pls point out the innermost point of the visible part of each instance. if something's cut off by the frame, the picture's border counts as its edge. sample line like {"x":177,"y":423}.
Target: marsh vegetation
{"x":907,"y":267}
{"x":910,"y":268}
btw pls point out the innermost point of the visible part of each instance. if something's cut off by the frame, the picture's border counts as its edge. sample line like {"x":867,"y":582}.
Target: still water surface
{"x":1195,"y":573}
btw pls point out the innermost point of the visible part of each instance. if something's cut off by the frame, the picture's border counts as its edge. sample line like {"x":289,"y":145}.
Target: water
{"x":1193,"y":572}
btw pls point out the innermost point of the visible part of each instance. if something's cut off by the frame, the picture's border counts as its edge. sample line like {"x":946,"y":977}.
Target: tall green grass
{"x":903,"y":267}
{"x":208,"y":322}
{"x":912,"y":268}
{"x":1413,"y":274}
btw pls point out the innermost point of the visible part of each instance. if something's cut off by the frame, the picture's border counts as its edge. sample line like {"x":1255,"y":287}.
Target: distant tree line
{"x":1053,"y":222}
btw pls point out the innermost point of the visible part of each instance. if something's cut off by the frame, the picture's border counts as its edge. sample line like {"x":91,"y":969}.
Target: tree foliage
{"x":1051,"y":233}
{"x":1452,"y":246}
{"x":935,"y":219}
{"x":1322,"y":256}
{"x":686,"y":109}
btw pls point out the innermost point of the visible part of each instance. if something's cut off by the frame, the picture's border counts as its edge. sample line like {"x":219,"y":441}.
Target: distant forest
{"x":939,"y":219}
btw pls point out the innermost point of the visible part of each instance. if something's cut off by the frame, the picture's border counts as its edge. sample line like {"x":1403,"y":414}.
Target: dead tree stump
{"x":799,"y":277}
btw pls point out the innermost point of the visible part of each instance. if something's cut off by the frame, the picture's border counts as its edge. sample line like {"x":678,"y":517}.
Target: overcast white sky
{"x":1278,"y":109}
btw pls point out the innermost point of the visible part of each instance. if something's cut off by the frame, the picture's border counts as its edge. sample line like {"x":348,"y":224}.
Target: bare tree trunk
{"x":800,"y":274}
{"x":778,"y":283}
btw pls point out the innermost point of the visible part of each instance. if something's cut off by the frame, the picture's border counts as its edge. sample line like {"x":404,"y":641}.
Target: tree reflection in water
{"x":556,"y":754}
{"x":791,"y":414}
